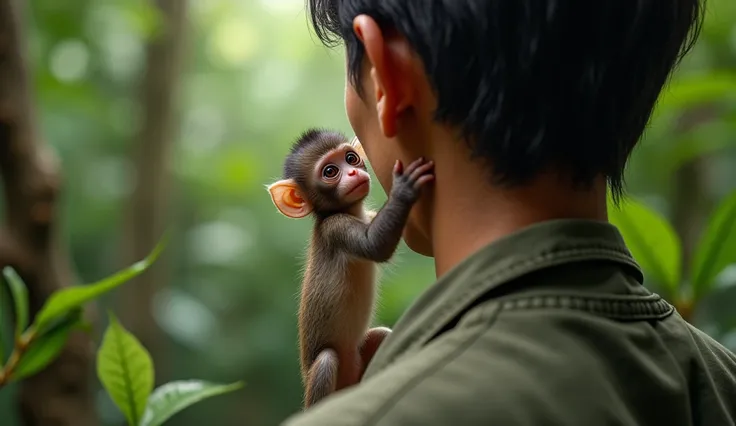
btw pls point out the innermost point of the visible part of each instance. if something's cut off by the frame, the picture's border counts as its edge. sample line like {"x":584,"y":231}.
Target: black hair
{"x":533,"y":84}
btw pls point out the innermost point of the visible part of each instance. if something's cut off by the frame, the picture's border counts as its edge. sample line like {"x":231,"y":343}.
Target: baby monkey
{"x":325,"y":175}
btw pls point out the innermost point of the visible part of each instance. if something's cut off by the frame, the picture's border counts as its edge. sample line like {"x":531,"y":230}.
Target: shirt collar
{"x":539,"y":246}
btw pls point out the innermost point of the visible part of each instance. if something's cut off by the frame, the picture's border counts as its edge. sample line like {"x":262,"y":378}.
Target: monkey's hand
{"x":408,"y":183}
{"x":377,"y":240}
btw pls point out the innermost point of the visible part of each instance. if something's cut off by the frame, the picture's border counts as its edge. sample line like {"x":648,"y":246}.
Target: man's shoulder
{"x":483,"y":370}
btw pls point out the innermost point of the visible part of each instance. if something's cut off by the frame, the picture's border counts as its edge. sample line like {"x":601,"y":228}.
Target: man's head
{"x":524,"y":87}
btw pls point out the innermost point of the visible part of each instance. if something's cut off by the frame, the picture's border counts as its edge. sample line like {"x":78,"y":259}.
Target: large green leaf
{"x":706,"y":139}
{"x":651,"y":240}
{"x":126,"y":371}
{"x":693,"y":90}
{"x":69,"y":298}
{"x":173,"y":397}
{"x":46,"y":347}
{"x":19,"y":291}
{"x":717,"y":247}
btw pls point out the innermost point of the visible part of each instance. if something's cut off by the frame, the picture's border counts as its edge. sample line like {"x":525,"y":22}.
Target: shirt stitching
{"x":550,"y":258}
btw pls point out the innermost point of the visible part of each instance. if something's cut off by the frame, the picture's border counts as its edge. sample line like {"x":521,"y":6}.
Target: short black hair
{"x":534,"y":83}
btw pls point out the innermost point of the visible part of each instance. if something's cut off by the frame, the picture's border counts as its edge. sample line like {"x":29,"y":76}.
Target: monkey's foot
{"x":373,"y":339}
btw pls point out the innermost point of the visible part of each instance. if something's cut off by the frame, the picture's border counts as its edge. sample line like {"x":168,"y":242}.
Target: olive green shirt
{"x":548,"y":326}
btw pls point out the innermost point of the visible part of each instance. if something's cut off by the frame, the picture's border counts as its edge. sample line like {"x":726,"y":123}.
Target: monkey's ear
{"x":358,"y":147}
{"x":288,"y":199}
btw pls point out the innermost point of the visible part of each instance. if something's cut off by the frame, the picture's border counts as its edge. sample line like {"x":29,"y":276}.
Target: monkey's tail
{"x":322,"y":377}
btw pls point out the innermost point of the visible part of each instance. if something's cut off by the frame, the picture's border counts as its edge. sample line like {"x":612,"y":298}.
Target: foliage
{"x":126,"y":370}
{"x":124,"y":367}
{"x":651,"y":240}
{"x":654,"y":243}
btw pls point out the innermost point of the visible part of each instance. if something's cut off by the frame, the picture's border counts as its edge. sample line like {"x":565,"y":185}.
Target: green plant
{"x":658,"y":249}
{"x":124,"y":367}
{"x":126,"y":371}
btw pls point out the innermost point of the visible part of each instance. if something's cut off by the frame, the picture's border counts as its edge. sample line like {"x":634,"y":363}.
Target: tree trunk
{"x":61,"y":394}
{"x":148,"y":212}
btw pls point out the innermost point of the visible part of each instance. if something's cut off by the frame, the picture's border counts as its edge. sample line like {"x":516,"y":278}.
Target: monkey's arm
{"x":377,"y":240}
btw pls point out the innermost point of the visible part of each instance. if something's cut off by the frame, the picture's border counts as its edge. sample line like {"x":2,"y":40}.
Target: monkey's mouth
{"x":358,"y":186}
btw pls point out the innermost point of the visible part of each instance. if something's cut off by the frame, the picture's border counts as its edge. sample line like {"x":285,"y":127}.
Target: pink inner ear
{"x":288,"y":201}
{"x":298,"y":211}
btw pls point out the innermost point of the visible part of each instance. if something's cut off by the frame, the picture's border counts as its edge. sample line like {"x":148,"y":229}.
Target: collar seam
{"x":633,"y":308}
{"x":582,"y":252}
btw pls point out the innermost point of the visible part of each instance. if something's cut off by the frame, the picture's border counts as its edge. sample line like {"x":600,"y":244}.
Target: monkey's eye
{"x":330,"y":171}
{"x":352,"y":158}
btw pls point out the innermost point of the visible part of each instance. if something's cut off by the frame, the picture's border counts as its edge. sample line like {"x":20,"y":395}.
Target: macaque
{"x":325,"y":176}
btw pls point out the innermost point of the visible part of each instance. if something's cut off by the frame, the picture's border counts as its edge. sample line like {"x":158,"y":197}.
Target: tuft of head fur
{"x":310,"y":145}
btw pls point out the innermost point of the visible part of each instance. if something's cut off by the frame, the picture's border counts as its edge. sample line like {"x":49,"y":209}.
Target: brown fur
{"x":338,"y":291}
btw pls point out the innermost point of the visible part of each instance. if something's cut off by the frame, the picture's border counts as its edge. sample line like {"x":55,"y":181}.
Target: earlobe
{"x":288,"y":199}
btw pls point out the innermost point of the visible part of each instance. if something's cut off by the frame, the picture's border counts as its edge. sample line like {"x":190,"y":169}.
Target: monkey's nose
{"x":352,"y":172}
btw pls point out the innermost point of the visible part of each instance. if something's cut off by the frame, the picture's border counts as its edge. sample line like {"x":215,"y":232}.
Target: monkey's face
{"x":341,"y":178}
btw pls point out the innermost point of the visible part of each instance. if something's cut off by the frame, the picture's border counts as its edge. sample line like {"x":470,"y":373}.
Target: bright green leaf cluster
{"x":655,"y":245}
{"x":124,"y":366}
{"x":37,"y":345}
{"x":69,"y":298}
{"x":651,"y":240}
{"x":126,"y":371}
{"x":716,"y":249}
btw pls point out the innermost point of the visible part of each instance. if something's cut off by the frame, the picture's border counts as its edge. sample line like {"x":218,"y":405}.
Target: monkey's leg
{"x":322,"y":377}
{"x":373,"y":339}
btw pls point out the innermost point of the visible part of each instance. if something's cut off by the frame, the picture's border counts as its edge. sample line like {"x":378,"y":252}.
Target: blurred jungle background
{"x":176,"y":114}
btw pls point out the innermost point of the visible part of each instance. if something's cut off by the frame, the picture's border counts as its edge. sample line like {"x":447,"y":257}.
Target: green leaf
{"x":2,"y":329}
{"x":19,"y":291}
{"x":46,"y":347}
{"x":142,"y":16}
{"x":693,"y":90}
{"x":70,"y":298}
{"x":706,"y":139}
{"x":126,"y":370}
{"x":173,"y":397}
{"x":651,"y":240}
{"x":716,"y":248}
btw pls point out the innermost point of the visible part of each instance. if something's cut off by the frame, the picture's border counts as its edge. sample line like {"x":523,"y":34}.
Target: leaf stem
{"x":20,"y":347}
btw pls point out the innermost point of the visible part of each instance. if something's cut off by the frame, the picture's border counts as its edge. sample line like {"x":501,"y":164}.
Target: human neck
{"x":467,"y":216}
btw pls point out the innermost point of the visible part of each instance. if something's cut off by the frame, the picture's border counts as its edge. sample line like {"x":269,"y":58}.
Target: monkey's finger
{"x":422,"y":180}
{"x":410,"y":168}
{"x":424,"y":168}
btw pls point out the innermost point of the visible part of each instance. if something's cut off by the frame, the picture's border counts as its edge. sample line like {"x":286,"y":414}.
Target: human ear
{"x":390,"y":60}
{"x":288,"y":199}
